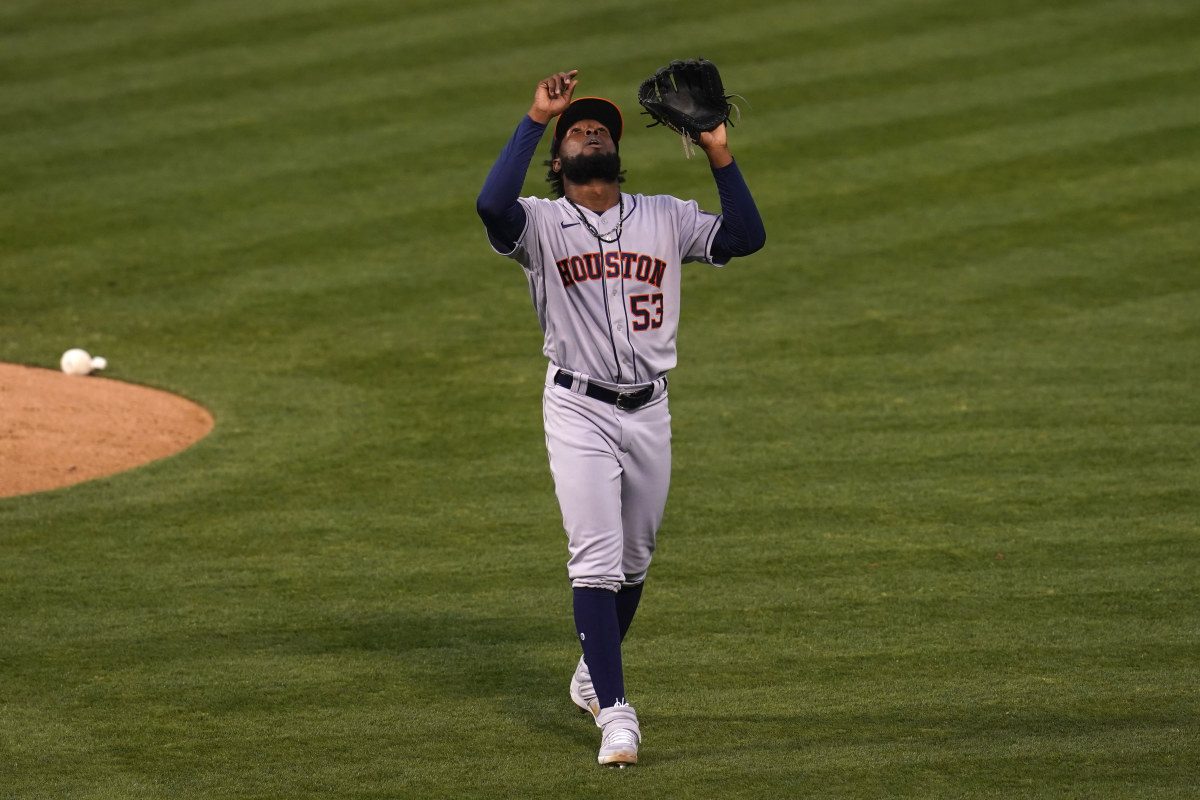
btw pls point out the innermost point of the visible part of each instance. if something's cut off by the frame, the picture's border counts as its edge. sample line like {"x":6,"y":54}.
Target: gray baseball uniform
{"x":606,"y":288}
{"x":610,"y":314}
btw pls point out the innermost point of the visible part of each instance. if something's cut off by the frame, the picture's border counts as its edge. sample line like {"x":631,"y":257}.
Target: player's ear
{"x":556,"y":164}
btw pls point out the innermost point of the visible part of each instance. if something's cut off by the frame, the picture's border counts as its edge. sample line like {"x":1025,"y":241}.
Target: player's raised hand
{"x":553,"y":95}
{"x":715,"y":145}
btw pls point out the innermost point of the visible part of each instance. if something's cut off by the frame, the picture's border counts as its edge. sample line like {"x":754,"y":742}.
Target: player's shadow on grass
{"x":520,"y":663}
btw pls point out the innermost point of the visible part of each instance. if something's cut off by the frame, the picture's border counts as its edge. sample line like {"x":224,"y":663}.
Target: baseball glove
{"x":687,"y":97}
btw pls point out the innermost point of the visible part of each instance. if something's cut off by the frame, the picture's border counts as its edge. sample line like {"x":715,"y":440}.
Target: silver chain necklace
{"x":612,"y":235}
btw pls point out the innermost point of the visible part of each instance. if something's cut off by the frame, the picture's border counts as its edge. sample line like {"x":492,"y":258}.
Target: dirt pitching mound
{"x":58,"y":430}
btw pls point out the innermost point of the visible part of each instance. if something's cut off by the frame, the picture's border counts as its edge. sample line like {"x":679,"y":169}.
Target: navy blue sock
{"x":627,"y":605}
{"x":600,"y":634}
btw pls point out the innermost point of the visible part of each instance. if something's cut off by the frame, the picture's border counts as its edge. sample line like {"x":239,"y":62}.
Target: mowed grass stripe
{"x":349,"y":45}
{"x":214,"y":101}
{"x":992,"y":296}
{"x":1021,"y":90}
{"x":959,"y":154}
{"x":381,"y":144}
{"x":220,"y":224}
{"x":1124,"y":198}
{"x":932,"y":53}
{"x":1047,"y":177}
{"x":937,"y":171}
{"x":1009,"y":124}
{"x":950,"y":235}
{"x":175,"y":34}
{"x":982,"y":463}
{"x":57,"y":30}
{"x":963,"y":308}
{"x":1095,"y":183}
{"x":354,"y":63}
{"x":957,"y":218}
{"x":830,"y":33}
{"x":349,"y":54}
{"x":136,"y":151}
{"x":310,"y":244}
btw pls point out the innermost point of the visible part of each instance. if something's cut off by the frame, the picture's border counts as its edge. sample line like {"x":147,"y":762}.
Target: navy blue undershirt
{"x":740,"y":234}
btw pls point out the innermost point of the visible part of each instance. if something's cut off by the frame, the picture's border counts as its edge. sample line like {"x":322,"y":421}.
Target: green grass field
{"x":935,"y":522}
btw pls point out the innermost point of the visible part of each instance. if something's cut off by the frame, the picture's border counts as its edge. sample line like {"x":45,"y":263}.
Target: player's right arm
{"x":498,"y":204}
{"x":553,"y":95}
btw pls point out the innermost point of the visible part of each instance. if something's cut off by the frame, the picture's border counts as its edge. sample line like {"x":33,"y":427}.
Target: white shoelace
{"x":620,"y":737}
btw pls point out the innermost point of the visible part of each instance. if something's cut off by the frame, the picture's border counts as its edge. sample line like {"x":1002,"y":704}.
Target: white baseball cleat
{"x":583,"y":694}
{"x":620,"y":735}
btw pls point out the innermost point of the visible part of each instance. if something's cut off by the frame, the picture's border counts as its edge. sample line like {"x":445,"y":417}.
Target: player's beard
{"x":585,"y":168}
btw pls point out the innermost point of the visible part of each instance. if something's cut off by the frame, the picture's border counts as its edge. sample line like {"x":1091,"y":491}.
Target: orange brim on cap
{"x":597,"y":108}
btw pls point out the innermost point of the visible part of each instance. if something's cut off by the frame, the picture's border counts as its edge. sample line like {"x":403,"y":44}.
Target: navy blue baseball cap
{"x":597,"y":108}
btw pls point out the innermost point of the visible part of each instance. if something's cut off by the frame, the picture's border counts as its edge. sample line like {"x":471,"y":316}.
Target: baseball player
{"x":603,"y":268}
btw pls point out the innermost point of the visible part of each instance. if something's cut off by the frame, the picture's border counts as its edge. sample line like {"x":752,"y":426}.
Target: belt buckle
{"x":631,"y":401}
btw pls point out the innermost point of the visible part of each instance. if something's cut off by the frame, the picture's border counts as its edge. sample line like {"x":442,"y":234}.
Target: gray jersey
{"x":610,"y":310}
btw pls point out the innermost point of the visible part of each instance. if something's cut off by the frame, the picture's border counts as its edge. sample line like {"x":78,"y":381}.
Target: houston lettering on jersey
{"x":615,"y":264}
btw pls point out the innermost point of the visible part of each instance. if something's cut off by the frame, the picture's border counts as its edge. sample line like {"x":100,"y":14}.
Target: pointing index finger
{"x":571,"y":83}
{"x":564,"y":83}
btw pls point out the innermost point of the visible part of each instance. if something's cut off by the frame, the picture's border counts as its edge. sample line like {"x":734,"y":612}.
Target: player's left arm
{"x":742,"y":231}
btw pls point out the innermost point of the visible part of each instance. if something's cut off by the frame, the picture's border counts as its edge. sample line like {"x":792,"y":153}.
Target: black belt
{"x":626,"y":401}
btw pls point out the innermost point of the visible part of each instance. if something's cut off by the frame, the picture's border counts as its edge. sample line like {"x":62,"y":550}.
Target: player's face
{"x":586,"y":137}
